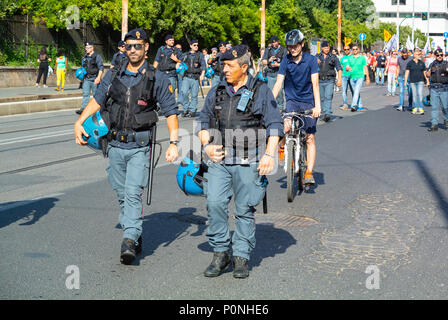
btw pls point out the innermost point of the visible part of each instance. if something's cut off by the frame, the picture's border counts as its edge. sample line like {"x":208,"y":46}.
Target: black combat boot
{"x":240,"y":268}
{"x":128,"y":251}
{"x":220,"y":261}
{"x":433,"y":128}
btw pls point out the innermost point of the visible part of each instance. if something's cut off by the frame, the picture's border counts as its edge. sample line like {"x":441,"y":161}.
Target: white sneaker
{"x":45,"y":86}
{"x":399,"y":108}
{"x":37,"y":84}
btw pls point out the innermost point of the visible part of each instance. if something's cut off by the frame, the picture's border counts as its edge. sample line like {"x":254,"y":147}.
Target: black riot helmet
{"x":294,"y":37}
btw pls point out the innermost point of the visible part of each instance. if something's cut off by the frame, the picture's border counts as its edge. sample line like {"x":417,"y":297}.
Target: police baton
{"x":202,"y":92}
{"x":152,"y":165}
{"x":265,"y":203}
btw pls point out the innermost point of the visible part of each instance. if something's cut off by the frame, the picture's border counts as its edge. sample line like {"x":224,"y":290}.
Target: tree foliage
{"x":212,"y":21}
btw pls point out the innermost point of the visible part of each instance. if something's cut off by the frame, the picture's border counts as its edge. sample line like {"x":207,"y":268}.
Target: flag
{"x":347,"y":41}
{"x":409,"y":44}
{"x":416,"y":44}
{"x":387,"y":35}
{"x":392,"y":44}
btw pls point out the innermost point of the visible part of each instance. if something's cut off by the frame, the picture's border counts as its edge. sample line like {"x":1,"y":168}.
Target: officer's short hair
{"x":244,"y":59}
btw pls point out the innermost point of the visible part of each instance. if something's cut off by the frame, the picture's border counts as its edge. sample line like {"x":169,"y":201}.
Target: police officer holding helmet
{"x":127,"y":101}
{"x":238,"y":117}
{"x":328,"y":65}
{"x":215,"y":63}
{"x":438,"y":77}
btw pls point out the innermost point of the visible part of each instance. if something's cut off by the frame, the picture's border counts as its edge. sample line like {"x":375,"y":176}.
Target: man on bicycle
{"x":300,"y":73}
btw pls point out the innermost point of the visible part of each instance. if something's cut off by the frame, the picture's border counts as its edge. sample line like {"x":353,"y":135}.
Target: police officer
{"x":328,"y":66}
{"x":119,"y":56}
{"x":438,"y":77}
{"x":237,"y":117}
{"x":215,"y":63}
{"x":167,"y":58}
{"x":127,"y":99}
{"x":273,"y":55}
{"x":192,"y":78}
{"x":93,"y":64}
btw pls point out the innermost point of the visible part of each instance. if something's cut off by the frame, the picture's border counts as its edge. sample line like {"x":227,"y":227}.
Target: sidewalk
{"x":36,"y":93}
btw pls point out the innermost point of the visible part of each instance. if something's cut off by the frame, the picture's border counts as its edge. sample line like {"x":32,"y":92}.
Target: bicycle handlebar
{"x":292,"y":114}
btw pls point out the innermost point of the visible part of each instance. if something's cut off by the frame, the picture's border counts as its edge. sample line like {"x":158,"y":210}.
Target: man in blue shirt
{"x":119,"y":56}
{"x":237,"y":117}
{"x":127,"y":101}
{"x":300,"y":74}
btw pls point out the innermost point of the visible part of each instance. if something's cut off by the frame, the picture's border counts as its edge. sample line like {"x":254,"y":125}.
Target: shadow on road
{"x":163,"y":228}
{"x":30,"y":211}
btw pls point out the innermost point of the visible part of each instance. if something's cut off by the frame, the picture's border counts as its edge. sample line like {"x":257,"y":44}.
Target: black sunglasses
{"x":346,"y":49}
{"x":439,"y":55}
{"x":137,"y":46}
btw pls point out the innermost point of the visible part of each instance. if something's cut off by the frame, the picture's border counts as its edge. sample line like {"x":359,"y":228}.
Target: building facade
{"x":437,"y":11}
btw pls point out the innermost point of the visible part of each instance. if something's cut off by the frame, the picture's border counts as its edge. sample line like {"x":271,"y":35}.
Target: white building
{"x":436,"y":25}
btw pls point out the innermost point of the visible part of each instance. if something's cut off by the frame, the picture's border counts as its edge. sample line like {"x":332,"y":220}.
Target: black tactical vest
{"x":278,"y":54}
{"x":194,"y":65}
{"x":166,"y":63}
{"x":131,"y":108}
{"x":91,"y":66}
{"x":439,"y":73}
{"x":226,"y":116}
{"x":326,"y":67}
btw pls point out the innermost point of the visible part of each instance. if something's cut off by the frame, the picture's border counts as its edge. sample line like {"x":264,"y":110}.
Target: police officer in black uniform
{"x":438,"y":77}
{"x":118,"y":57}
{"x":272,"y":58}
{"x":328,"y":66}
{"x":238,"y":117}
{"x":215,"y":63}
{"x":127,"y":101}
{"x":167,"y":59}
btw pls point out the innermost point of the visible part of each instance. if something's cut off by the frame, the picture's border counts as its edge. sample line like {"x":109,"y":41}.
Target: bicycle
{"x":295,"y":153}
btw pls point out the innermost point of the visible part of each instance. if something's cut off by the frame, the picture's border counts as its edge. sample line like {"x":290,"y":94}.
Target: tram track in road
{"x":39,"y":128}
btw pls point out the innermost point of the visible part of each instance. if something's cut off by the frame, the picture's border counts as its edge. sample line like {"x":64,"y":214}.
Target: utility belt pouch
{"x":143,"y":138}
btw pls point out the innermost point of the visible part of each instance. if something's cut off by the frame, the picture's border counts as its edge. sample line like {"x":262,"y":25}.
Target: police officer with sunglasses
{"x":127,"y":101}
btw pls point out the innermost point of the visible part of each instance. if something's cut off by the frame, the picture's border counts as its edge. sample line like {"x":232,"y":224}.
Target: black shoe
{"x":79,"y":111}
{"x":240,"y":268}
{"x":445,"y":123}
{"x":326,"y":118}
{"x":185,"y":114}
{"x":138,"y":247}
{"x":433,"y":128}
{"x":128,"y":251}
{"x":353,"y":109}
{"x":220,"y":261}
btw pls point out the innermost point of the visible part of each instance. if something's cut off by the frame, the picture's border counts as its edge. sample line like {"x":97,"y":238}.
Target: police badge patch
{"x":235,"y":54}
{"x":137,"y":34}
{"x":170,"y":87}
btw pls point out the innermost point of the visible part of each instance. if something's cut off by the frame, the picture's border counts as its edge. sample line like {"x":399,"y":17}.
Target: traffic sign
{"x":445,"y":34}
{"x":362,"y":36}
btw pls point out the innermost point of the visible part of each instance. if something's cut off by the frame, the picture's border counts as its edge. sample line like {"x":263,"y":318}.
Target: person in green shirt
{"x":345,"y":78}
{"x":357,"y":65}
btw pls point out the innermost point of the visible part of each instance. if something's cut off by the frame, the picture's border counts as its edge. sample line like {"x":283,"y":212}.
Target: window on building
{"x":402,"y":2}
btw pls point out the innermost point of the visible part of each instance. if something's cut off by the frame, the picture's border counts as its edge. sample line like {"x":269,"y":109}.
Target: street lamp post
{"x":124,"y":18}
{"x":263,"y":24}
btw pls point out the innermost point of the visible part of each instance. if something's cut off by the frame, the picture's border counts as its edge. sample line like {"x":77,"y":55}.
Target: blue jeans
{"x":87,"y":86}
{"x":439,"y":99}
{"x":244,"y":183}
{"x":417,"y":95}
{"x":216,"y":80}
{"x":190,"y":85}
{"x":326,"y":89}
{"x":345,"y":85}
{"x":128,"y":172}
{"x":280,"y":99}
{"x":402,"y":92}
{"x":378,"y":71}
{"x":357,"y":85}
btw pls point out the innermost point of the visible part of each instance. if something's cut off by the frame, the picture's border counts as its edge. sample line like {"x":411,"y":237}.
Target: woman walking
{"x":61,"y":68}
{"x":43,"y":66}
{"x":391,"y":70}
{"x":415,"y":72}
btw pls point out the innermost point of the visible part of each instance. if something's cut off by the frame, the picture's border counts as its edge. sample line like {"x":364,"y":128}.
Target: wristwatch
{"x":175,"y":142}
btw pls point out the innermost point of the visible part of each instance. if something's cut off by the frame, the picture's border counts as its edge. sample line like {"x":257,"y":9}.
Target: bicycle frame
{"x":294,"y":136}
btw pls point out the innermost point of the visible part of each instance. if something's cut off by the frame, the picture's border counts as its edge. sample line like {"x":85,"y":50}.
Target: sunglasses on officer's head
{"x":137,"y":46}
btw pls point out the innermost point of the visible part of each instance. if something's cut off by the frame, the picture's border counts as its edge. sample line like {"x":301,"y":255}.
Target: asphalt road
{"x":381,"y":204}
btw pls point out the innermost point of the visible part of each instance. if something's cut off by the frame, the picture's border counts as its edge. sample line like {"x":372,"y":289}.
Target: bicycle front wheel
{"x":302,"y":167}
{"x":290,"y":172}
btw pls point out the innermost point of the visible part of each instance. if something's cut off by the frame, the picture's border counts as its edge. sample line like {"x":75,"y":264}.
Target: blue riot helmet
{"x":96,"y":129}
{"x":80,"y":73}
{"x":182,"y":68}
{"x":209,"y":72}
{"x":190,"y":177}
